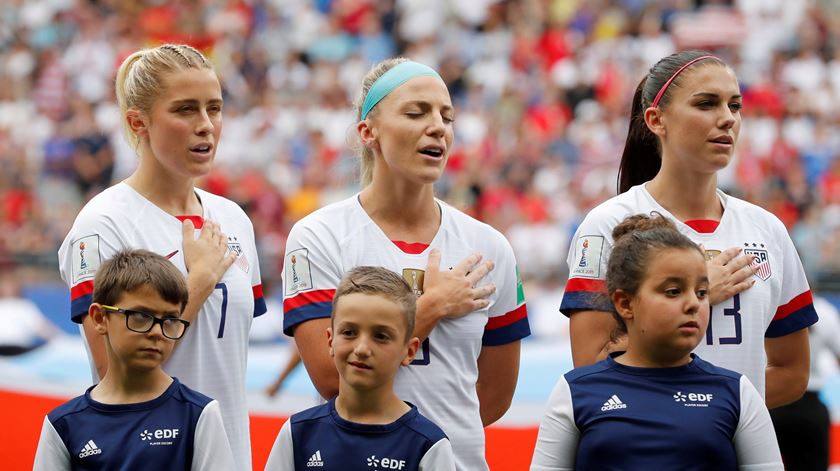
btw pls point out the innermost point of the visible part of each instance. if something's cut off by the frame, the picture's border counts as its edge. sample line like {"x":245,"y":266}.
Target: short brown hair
{"x":131,"y":269}
{"x":380,"y":282}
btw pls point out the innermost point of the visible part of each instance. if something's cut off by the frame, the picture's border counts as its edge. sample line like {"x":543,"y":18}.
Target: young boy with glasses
{"x":137,"y":417}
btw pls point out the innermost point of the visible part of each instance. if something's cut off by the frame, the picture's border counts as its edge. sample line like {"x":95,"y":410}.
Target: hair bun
{"x":640,"y":223}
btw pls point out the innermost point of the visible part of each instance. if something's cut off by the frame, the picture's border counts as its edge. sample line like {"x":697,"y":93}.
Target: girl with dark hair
{"x":656,"y":405}
{"x":683,"y":129}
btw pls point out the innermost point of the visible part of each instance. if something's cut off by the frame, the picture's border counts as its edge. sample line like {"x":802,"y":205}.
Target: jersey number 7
{"x":224,"y":289}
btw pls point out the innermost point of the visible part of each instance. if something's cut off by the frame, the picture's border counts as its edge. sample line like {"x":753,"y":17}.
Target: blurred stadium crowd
{"x":541,"y":87}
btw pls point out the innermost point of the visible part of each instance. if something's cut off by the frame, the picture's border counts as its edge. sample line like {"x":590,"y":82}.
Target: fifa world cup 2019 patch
{"x":587,"y":260}
{"x":710,"y":254}
{"x":86,"y":258}
{"x":414,"y":278}
{"x":298,"y":271}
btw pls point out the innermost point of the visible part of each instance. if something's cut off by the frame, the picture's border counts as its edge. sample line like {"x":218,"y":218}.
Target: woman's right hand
{"x":455,"y":292}
{"x":730,"y":273}
{"x":205,"y":257}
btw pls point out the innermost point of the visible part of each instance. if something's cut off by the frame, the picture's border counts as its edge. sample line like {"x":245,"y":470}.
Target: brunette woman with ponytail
{"x":684,"y":125}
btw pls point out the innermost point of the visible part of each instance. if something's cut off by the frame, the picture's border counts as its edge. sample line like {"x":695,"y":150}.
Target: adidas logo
{"x":315,"y":460}
{"x":90,"y":449}
{"x":613,"y":403}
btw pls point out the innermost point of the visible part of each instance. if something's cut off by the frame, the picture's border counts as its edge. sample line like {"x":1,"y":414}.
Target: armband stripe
{"x":507,"y":334}
{"x":798,"y":320}
{"x":81,"y":289}
{"x":260,"y":307}
{"x":79,"y":307}
{"x":307,"y":312}
{"x":583,"y":284}
{"x":794,"y":305}
{"x":308,"y":297}
{"x":586,"y":301}
{"x":507,"y":319}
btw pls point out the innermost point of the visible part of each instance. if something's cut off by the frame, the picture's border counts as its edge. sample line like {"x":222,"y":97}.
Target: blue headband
{"x":393,"y":78}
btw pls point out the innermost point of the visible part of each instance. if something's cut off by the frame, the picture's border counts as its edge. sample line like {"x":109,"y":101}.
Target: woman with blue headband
{"x":471,"y":311}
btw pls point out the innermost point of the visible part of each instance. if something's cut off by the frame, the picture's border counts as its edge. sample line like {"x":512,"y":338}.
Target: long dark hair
{"x":642,"y":155}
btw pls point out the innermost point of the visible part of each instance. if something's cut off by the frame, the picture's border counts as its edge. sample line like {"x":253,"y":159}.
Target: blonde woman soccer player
{"x":469,"y":319}
{"x":171,"y":104}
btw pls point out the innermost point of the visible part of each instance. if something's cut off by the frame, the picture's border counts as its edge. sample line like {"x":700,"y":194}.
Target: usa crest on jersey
{"x":762,"y":262}
{"x":241,"y":259}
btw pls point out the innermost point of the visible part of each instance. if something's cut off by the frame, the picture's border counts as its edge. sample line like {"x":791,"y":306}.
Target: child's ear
{"x":97,"y":315}
{"x":329,"y":340}
{"x":413,"y":346}
{"x":623,"y":303}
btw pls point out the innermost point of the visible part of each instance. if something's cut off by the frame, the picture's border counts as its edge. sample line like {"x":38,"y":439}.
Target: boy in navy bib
{"x":137,"y":417}
{"x":366,"y":426}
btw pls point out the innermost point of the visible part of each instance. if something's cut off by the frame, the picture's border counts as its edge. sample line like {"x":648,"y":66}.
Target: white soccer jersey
{"x":778,"y":304}
{"x":323,"y":246}
{"x":212,"y":356}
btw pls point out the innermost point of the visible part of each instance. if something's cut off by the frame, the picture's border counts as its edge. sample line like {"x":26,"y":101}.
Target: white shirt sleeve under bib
{"x":755,"y":439}
{"x":439,"y":457}
{"x":558,"y":437}
{"x":51,"y":455}
{"x":282,"y":456}
{"x":211,"y":449}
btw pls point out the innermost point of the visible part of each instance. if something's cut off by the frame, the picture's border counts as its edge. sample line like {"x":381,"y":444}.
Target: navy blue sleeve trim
{"x":305,"y":313}
{"x":797,"y":320}
{"x":583,"y":300}
{"x":79,"y":307}
{"x":507,"y":334}
{"x":259,"y":307}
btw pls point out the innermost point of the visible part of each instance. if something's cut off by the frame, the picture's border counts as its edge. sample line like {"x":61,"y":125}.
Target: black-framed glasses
{"x":142,"y":322}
